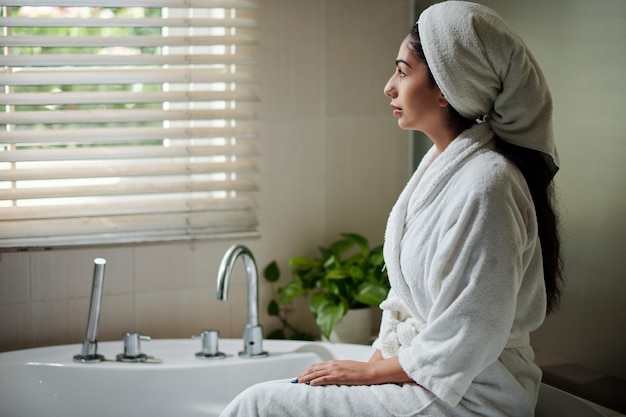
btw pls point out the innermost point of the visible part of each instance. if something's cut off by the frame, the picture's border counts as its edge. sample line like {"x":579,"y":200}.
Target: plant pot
{"x":354,"y":327}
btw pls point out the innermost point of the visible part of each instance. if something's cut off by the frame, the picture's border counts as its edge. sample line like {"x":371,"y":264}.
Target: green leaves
{"x":273,"y":309}
{"x":348,"y":274}
{"x":271,"y":272}
{"x":371,"y":293}
{"x":358,"y":240}
{"x":327,"y":312}
{"x":301,"y":263}
{"x":291,"y":291}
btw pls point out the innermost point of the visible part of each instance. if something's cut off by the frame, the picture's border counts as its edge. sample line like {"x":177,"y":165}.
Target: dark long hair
{"x":539,"y":179}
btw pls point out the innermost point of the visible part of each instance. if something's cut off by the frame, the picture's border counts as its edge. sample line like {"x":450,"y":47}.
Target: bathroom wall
{"x":332,"y":160}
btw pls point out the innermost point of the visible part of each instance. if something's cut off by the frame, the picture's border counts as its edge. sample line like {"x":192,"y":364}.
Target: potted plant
{"x":348,"y":275}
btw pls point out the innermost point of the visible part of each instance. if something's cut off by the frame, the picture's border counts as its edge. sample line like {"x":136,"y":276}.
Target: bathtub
{"x":173,"y":382}
{"x":47,"y":382}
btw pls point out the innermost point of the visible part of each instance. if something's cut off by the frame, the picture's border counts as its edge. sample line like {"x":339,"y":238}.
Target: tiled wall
{"x":161,"y":290}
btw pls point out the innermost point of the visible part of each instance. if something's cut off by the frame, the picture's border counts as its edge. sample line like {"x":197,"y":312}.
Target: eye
{"x":400,"y":73}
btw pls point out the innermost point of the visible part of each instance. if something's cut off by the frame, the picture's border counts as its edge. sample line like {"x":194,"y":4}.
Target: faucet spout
{"x":253,"y":332}
{"x":89,"y":352}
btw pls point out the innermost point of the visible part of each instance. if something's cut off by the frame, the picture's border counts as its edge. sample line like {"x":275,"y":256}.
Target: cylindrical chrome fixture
{"x":132,"y":348}
{"x":210,"y":349}
{"x":90,"y":344}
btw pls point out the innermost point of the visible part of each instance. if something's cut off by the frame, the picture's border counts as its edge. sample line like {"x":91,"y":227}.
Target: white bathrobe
{"x":465,"y":265}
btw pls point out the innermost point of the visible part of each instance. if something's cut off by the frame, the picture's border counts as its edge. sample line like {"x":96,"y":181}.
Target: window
{"x":126,"y":121}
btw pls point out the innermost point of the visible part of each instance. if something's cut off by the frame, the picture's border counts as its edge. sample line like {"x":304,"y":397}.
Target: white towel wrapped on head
{"x":484,"y":69}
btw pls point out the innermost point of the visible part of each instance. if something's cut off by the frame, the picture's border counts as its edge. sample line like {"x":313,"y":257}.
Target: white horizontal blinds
{"x":126,"y":121}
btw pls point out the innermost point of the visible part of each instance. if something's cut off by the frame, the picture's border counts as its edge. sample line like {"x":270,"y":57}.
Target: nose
{"x":390,"y":89}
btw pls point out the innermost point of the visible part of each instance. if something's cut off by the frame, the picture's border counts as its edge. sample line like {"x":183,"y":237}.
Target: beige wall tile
{"x":292,"y":212}
{"x":69,"y":273}
{"x":60,"y":321}
{"x":156,"y":313}
{"x":118,"y":272}
{"x":292,"y":59}
{"x":204,"y":262}
{"x":117,"y":316}
{"x":362,"y":41}
{"x":237,"y":310}
{"x":15,"y":326}
{"x":14,"y":278}
{"x":162,"y":267}
{"x":57,"y":275}
{"x":179,"y":313}
{"x":366,"y":161}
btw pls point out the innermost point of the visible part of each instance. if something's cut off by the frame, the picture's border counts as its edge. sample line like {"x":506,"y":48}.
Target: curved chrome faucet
{"x":252,"y":331}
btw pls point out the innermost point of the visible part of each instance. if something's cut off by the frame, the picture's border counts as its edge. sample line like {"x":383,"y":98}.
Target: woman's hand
{"x":336,"y":372}
{"x":347,"y":372}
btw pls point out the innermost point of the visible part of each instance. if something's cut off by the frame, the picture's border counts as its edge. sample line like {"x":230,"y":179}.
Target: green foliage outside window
{"x":97,"y":32}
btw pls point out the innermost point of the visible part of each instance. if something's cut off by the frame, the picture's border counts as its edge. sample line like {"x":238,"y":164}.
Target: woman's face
{"x":416,"y":102}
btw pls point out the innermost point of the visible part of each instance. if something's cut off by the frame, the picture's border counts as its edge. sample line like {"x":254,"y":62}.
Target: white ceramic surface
{"x":46,"y":382}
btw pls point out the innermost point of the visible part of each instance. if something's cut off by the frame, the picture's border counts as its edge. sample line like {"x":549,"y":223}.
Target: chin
{"x":405,"y":126}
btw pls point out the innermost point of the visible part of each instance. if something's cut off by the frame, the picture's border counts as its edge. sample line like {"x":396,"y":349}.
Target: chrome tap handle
{"x":210,"y":341}
{"x":132,"y":348}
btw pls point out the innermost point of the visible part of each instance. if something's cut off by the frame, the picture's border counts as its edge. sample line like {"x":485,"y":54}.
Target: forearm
{"x":344,"y":372}
{"x":377,"y":356}
{"x":383,"y":371}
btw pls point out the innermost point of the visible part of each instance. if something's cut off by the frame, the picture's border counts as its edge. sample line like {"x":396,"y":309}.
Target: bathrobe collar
{"x":427,"y":181}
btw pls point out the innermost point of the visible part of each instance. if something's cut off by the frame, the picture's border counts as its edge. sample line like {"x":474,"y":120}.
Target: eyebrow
{"x":402,"y":61}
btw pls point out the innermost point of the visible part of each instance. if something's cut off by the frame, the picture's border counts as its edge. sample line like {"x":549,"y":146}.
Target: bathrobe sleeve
{"x":486,"y":241}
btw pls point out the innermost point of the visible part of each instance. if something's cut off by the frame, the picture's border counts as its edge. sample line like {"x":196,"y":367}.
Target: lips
{"x":396,"y":110}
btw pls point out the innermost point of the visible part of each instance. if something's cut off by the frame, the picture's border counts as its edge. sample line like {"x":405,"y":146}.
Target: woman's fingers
{"x":337,"y":372}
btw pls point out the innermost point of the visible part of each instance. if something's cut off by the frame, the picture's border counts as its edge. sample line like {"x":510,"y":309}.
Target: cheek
{"x":422,"y":98}
{"x":414,"y":104}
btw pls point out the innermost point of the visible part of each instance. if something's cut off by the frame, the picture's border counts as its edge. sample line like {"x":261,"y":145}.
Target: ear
{"x":442,"y":100}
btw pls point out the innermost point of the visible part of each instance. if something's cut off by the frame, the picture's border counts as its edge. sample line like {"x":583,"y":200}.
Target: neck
{"x":446,"y":127}
{"x":443,"y":138}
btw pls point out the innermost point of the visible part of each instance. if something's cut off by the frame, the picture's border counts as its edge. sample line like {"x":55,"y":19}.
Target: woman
{"x":471,"y":245}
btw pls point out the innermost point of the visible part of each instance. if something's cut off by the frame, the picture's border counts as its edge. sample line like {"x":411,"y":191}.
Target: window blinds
{"x":126,"y":121}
